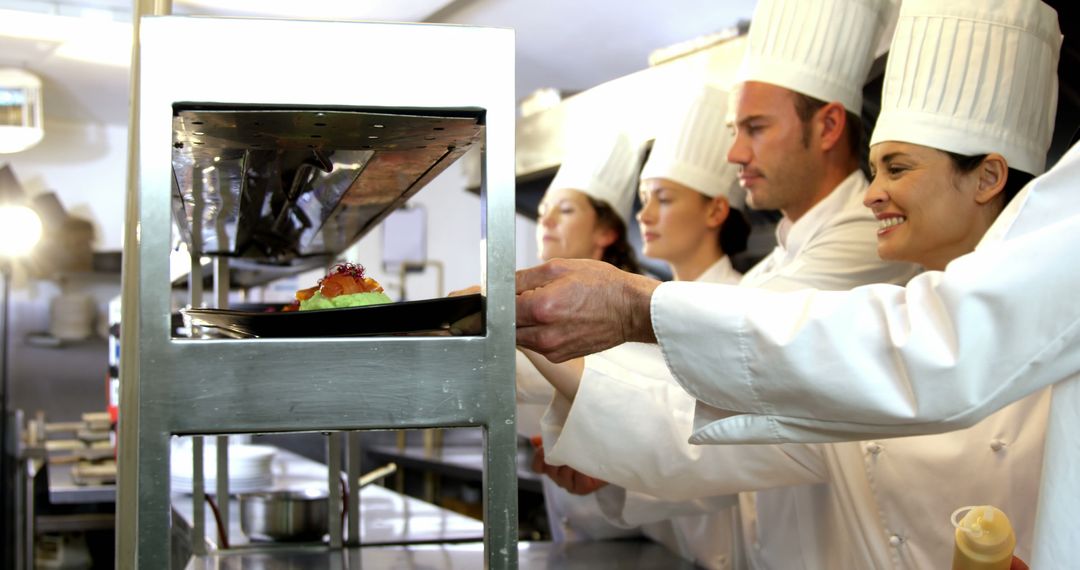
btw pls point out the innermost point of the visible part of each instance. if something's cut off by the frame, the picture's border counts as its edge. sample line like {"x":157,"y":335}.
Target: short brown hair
{"x":806,"y":106}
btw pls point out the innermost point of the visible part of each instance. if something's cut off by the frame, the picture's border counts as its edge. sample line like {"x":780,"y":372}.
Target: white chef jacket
{"x":533,"y":395}
{"x":571,"y":517}
{"x":941,"y":353}
{"x":706,"y":531}
{"x":833,"y":245}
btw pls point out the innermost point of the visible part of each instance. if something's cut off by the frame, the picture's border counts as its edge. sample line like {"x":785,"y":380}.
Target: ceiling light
{"x":20,"y":230}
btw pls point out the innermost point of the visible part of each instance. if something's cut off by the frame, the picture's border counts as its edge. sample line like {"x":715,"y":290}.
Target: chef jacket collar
{"x":720,"y":272}
{"x":791,"y":236}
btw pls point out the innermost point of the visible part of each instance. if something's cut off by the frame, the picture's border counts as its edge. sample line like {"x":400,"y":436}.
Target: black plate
{"x":391,"y":318}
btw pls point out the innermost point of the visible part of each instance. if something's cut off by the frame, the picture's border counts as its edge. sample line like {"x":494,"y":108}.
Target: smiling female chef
{"x":888,"y":502}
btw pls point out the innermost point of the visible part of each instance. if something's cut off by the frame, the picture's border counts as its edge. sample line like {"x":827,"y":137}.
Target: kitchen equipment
{"x":294,"y":514}
{"x":286,"y":515}
{"x":391,"y":318}
{"x":266,"y":176}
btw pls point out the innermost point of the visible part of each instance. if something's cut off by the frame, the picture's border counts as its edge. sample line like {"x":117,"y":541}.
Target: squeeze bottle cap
{"x":983,"y":534}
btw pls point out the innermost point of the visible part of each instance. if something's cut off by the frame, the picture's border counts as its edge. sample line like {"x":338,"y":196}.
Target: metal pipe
{"x":354,"y":488}
{"x":198,"y":497}
{"x":333,"y":480}
{"x":195,"y":290}
{"x":222,"y":493}
{"x":221,"y":292}
{"x":127,"y":499}
{"x":5,"y":532}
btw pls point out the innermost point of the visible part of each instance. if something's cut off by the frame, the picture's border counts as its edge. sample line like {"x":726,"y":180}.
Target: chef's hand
{"x":566,"y":477}
{"x":470,"y":324}
{"x":573,"y":307}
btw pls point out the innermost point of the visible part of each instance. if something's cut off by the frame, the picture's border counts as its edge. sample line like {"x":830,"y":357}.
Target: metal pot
{"x":291,"y":515}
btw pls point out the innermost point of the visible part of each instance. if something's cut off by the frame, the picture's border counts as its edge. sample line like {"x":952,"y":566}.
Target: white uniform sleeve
{"x":534,"y":393}
{"x":629,"y":509}
{"x":939,"y":354}
{"x":630,"y":429}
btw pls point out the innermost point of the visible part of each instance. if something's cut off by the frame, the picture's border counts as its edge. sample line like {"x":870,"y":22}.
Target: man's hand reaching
{"x":568,"y":308}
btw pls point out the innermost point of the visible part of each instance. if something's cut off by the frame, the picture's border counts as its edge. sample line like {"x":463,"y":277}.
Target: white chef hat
{"x":973,"y":77}
{"x":693,"y":151}
{"x":603,"y":164}
{"x":820,"y":48}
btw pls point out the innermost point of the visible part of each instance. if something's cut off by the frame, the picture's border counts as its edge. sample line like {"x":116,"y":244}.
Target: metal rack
{"x":200,"y":79}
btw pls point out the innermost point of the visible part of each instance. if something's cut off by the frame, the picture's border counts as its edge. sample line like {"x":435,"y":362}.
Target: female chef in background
{"x":958,"y":131}
{"x":582,"y":215}
{"x":689,"y":218}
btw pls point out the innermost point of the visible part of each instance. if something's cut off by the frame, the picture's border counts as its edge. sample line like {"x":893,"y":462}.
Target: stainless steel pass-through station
{"x":270,"y":146}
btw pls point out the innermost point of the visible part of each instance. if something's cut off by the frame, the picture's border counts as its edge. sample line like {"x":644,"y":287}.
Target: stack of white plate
{"x":71,"y":316}
{"x":249,"y":468}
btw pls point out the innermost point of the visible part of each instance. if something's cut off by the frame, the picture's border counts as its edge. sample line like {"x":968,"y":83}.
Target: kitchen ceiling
{"x":80,"y":48}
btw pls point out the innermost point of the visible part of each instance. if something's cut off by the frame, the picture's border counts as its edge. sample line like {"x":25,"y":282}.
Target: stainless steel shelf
{"x":64,"y":491}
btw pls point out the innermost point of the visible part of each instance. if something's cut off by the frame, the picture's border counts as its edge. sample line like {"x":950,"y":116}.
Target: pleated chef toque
{"x":602,"y":163}
{"x":820,"y":48}
{"x":973,"y":77}
{"x":693,"y":152}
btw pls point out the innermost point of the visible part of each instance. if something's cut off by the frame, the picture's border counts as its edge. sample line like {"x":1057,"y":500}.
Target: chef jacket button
{"x":997,"y":445}
{"x":895,"y":540}
{"x":757,"y":545}
{"x":873,"y":448}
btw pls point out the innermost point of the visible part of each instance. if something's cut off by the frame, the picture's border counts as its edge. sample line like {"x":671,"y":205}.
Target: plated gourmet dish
{"x":345,"y":286}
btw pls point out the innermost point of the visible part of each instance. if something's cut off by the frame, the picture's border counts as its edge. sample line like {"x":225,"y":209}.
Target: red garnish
{"x":344,"y":279}
{"x":354,"y":270}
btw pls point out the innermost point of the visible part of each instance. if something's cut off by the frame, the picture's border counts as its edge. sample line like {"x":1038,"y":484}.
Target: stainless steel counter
{"x":599,"y":555}
{"x":460,"y":461}
{"x":64,"y":491}
{"x":386,"y":517}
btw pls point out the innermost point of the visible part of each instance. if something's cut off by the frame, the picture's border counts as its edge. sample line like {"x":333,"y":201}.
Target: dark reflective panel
{"x":285,"y":190}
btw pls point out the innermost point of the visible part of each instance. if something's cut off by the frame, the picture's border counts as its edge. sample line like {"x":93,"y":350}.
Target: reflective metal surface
{"x":385,"y":517}
{"x":281,"y":186}
{"x":592,"y":555}
{"x":299,"y":515}
{"x":181,"y":386}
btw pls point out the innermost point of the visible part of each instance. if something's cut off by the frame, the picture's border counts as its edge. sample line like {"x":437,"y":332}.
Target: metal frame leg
{"x":500,"y":495}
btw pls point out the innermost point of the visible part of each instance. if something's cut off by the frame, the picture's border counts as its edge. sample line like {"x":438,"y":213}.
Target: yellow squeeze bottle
{"x":984,"y":539}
